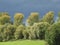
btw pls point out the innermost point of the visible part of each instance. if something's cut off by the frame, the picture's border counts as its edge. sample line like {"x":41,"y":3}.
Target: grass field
{"x":24,"y":42}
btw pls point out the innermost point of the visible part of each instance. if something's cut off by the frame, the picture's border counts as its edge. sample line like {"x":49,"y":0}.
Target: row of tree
{"x":37,"y":28}
{"x":33,"y":18}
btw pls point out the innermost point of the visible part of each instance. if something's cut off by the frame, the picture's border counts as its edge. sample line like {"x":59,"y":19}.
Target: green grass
{"x":24,"y":42}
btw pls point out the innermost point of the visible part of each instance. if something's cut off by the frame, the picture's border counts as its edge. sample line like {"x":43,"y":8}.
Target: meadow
{"x":24,"y":42}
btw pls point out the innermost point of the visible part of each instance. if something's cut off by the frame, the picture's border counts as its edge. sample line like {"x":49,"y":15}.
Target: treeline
{"x":37,"y":28}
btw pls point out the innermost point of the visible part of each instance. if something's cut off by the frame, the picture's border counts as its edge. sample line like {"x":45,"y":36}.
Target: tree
{"x":31,"y":33}
{"x":0,"y":14}
{"x":40,"y":29}
{"x":4,"y":18}
{"x":52,"y":35}
{"x":18,"y":19}
{"x":49,"y":17}
{"x":5,"y":33}
{"x":12,"y":30}
{"x":19,"y":32}
{"x":1,"y":31}
{"x":33,"y":18}
{"x":26,"y":32}
{"x":3,"y":13}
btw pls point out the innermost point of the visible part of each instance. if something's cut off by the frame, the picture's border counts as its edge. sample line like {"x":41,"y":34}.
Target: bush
{"x":37,"y":31}
{"x":53,"y":34}
{"x":19,"y":32}
{"x":32,"y":33}
{"x":40,"y":28}
{"x":28,"y":33}
{"x":25,"y":34}
{"x":12,"y":29}
{"x":6,"y":32}
{"x":1,"y":31}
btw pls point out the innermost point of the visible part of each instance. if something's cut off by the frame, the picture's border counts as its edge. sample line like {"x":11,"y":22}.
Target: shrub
{"x":19,"y":32}
{"x":53,"y":34}
{"x":32,"y":33}
{"x":25,"y":34}
{"x":12,"y":29}
{"x":1,"y":30}
{"x":40,"y":28}
{"x":6,"y":32}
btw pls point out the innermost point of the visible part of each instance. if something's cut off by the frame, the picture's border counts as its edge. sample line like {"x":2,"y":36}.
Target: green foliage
{"x":4,"y":19}
{"x":25,"y":34}
{"x":53,"y":34}
{"x":12,"y":29}
{"x":33,"y":18}
{"x":3,"y":13}
{"x":45,"y":29}
{"x":0,"y":14}
{"x":32,"y":33}
{"x":49,"y":17}
{"x":29,"y":33}
{"x":19,"y":32}
{"x":1,"y":30}
{"x":18,"y":19}
{"x":40,"y":28}
{"x":6,"y":32}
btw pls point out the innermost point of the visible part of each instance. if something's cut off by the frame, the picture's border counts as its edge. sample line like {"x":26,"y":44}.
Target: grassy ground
{"x":24,"y":42}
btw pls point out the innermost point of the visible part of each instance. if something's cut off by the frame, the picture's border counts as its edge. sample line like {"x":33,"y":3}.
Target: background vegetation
{"x":45,"y":28}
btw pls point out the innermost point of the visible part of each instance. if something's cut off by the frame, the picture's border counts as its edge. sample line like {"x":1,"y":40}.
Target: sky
{"x":28,"y":6}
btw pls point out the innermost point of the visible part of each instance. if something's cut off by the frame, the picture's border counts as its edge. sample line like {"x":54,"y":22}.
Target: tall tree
{"x":4,"y":18}
{"x":33,"y":18}
{"x":52,"y":35}
{"x":5,"y":13}
{"x":18,"y":19}
{"x":49,"y":17}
